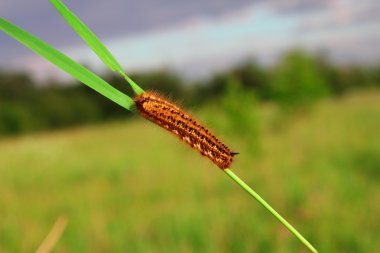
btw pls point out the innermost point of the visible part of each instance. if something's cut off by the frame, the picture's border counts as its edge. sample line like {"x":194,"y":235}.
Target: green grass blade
{"x":67,"y":64}
{"x":270,"y":209}
{"x":96,"y":45}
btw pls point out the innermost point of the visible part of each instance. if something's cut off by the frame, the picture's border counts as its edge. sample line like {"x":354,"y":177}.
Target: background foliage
{"x":127,"y":186}
{"x":296,"y":82}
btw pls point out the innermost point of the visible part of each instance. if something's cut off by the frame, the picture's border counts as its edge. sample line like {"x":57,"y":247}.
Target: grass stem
{"x":254,"y":194}
{"x":53,"y":236}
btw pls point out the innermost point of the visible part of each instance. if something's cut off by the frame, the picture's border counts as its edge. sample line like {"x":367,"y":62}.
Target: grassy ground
{"x":131,"y":187}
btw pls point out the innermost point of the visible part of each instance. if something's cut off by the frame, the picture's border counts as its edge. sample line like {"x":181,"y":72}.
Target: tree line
{"x":297,"y":80}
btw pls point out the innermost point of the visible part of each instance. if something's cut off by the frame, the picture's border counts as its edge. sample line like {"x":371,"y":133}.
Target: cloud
{"x":292,"y":7}
{"x":112,"y":18}
{"x":342,"y":16}
{"x":199,"y":36}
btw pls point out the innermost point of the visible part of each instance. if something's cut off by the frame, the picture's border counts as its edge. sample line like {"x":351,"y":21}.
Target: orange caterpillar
{"x":160,"y":111}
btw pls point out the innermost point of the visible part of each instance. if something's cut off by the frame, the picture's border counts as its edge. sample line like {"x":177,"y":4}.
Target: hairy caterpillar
{"x":160,"y":111}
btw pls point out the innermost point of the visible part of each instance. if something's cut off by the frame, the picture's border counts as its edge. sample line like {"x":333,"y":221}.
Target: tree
{"x":297,"y":82}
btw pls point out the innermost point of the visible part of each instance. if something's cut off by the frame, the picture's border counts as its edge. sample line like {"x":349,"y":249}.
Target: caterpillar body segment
{"x":160,"y":111}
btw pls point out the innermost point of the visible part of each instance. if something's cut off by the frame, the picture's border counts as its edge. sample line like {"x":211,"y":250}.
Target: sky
{"x":195,"y":38}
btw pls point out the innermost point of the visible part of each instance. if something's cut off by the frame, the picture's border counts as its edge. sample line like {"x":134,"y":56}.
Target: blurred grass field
{"x":131,"y":187}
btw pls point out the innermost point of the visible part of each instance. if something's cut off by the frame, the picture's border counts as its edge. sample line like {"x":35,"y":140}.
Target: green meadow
{"x":128,"y":186}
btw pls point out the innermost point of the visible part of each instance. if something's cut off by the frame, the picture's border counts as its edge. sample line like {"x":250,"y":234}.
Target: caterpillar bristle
{"x":170,"y":116}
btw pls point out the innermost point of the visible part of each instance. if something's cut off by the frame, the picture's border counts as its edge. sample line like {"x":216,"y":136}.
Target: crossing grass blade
{"x":96,"y":45}
{"x":67,"y":64}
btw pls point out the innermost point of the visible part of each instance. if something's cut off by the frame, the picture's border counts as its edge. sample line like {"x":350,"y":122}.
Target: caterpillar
{"x":166,"y":114}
